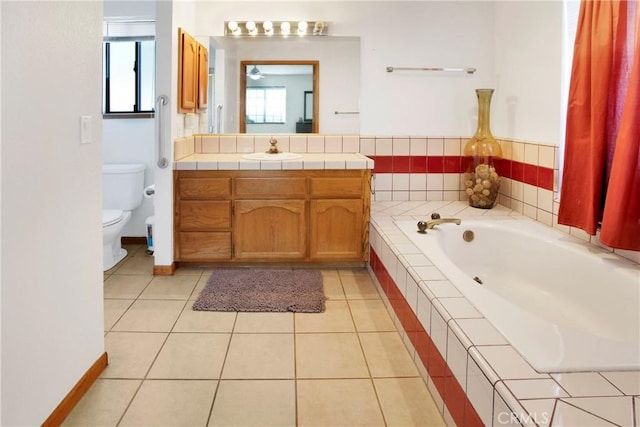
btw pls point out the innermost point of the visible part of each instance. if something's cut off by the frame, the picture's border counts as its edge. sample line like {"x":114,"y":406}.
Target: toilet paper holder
{"x":149,"y":191}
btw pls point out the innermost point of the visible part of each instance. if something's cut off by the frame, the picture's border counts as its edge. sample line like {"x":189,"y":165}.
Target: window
{"x":129,"y":76}
{"x":266,"y":104}
{"x":129,"y":53}
{"x":571,"y":12}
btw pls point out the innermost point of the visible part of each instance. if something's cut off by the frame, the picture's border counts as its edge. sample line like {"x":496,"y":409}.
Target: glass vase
{"x":482,"y":183}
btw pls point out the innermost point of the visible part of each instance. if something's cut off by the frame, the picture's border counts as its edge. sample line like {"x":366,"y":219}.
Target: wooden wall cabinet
{"x":203,"y":77}
{"x":193,"y":73}
{"x":272,"y":216}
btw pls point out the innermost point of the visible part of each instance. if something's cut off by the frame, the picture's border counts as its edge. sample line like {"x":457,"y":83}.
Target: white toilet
{"x":122,"y":188}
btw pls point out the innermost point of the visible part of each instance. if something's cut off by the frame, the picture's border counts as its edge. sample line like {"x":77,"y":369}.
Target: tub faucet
{"x":435,"y":220}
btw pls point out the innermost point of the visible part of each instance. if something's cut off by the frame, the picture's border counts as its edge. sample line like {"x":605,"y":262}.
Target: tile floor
{"x":172,"y":366}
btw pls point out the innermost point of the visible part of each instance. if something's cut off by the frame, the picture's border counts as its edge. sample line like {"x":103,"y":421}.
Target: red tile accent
{"x":517,"y":171}
{"x":530,"y":174}
{"x":523,"y":172}
{"x":452,"y":164}
{"x":435,"y":164}
{"x":503,"y":167}
{"x":437,"y":367}
{"x":410,"y":323}
{"x":383,"y":164}
{"x":443,"y":379}
{"x":545,"y":178}
{"x":384,"y":279}
{"x":396,"y":300}
{"x":418,"y":164}
{"x":401,"y":164}
{"x":466,"y":164}
{"x":471,"y":417}
{"x":454,"y":397}
{"x":422,"y":344}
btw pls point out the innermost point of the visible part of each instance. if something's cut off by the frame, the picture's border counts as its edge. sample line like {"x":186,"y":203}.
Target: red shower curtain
{"x":602,"y":151}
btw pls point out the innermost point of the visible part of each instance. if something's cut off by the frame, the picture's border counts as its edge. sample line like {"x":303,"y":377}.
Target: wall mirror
{"x":277,"y":96}
{"x":335,"y":87}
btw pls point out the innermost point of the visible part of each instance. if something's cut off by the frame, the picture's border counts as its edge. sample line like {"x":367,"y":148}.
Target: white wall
{"x":528,"y":56}
{"x":131,"y":140}
{"x":52,"y":296}
{"x":399,"y":34}
{"x":169,"y":17}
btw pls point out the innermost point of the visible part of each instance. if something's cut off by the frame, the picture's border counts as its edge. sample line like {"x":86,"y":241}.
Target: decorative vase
{"x":481,"y":180}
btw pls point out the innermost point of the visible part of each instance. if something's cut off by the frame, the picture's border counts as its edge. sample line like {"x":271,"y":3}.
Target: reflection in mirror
{"x":274,"y":96}
{"x":337,"y":81}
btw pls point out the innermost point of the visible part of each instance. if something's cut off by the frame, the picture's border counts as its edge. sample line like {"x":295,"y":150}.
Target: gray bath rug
{"x":262,"y":290}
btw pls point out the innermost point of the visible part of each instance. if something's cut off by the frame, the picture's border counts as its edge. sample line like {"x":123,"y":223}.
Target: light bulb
{"x":285,"y":28}
{"x":268,"y":27}
{"x":302,"y":27}
{"x":232,"y":26}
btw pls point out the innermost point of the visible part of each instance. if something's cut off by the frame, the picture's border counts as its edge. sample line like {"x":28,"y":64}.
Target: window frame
{"x":106,"y":104}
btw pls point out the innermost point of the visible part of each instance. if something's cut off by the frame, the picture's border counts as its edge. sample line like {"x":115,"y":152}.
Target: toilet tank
{"x":122,"y":186}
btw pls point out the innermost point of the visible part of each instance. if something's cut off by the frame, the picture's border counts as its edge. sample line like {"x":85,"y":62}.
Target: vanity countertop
{"x":235,"y":161}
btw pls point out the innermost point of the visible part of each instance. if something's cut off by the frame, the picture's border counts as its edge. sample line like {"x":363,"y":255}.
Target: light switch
{"x":85,"y":129}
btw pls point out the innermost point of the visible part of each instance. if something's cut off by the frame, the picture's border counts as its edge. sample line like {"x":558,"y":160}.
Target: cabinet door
{"x":270,"y":229}
{"x":337,"y":231}
{"x":187,"y":72}
{"x":203,"y":76}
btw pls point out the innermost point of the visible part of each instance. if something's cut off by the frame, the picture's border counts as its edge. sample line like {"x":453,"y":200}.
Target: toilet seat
{"x":111,"y":216}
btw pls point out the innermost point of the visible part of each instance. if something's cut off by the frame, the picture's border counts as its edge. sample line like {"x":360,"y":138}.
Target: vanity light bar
{"x":275,"y":28}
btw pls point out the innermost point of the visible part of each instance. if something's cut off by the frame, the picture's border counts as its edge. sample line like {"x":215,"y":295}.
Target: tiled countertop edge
{"x":310,"y":161}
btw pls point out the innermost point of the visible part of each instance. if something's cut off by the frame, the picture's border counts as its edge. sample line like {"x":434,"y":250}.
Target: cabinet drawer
{"x":336,"y":187}
{"x":202,"y":246}
{"x":204,"y":215}
{"x":277,"y":187}
{"x":204,"y":188}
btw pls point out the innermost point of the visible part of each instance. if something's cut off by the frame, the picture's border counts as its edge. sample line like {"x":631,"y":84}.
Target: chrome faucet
{"x":423,"y":226}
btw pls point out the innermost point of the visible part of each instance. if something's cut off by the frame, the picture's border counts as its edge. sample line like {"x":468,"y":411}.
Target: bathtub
{"x":563,"y":304}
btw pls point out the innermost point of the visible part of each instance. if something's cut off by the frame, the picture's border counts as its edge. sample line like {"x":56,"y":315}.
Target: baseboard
{"x":164,"y":270}
{"x":73,"y":397}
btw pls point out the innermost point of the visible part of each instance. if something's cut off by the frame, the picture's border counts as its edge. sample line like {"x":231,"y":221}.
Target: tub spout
{"x":434,"y":222}
{"x":428,"y":225}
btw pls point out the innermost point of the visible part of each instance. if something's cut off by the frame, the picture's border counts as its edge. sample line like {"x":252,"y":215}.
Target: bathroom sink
{"x":270,"y":156}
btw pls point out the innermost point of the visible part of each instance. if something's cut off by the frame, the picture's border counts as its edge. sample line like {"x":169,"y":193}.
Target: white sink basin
{"x":270,"y":156}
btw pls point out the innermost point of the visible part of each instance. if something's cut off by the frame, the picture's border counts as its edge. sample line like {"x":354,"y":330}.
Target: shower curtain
{"x":601,"y":179}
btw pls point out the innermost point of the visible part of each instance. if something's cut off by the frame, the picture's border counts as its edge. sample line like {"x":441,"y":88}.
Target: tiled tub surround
{"x":565,"y":306}
{"x":474,"y":374}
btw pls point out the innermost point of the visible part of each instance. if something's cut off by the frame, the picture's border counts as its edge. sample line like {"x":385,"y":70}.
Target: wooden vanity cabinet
{"x":306,"y":216}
